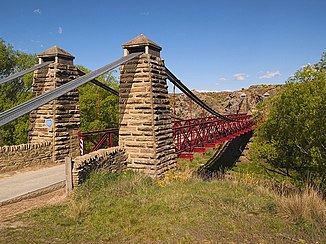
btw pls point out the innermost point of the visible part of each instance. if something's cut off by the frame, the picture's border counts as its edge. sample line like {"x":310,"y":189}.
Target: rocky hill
{"x":223,"y":102}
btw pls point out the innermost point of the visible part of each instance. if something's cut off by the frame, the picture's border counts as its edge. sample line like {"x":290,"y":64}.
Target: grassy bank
{"x":130,"y":208}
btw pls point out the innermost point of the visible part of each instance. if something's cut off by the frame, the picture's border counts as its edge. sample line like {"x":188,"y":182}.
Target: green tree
{"x":98,"y":107}
{"x":292,"y":136}
{"x":14,"y":92}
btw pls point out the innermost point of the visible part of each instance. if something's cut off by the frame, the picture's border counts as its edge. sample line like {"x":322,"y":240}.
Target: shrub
{"x":291,"y":136}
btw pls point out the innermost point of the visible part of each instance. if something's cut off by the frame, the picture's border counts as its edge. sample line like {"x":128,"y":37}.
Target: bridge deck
{"x":32,"y":183}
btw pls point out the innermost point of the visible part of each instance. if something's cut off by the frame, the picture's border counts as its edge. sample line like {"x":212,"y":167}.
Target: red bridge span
{"x":191,"y":135}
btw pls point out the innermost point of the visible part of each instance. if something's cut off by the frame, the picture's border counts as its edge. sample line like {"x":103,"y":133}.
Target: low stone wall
{"x":111,"y":159}
{"x":25,"y":155}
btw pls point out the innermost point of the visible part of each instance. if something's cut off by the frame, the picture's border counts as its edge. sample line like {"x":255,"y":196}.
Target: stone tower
{"x":59,"y":120}
{"x":145,"y":121}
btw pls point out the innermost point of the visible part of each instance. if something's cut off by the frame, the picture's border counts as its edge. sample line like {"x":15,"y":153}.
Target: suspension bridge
{"x":150,"y":136}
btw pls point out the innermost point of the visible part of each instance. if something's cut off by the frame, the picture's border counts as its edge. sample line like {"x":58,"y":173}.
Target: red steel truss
{"x":194,"y":135}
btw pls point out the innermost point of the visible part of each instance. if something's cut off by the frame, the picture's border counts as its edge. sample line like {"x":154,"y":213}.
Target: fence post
{"x":81,"y":143}
{"x":68,"y":164}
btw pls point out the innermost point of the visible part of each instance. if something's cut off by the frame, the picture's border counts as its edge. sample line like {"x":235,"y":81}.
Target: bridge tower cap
{"x":56,"y":54}
{"x":141,"y":44}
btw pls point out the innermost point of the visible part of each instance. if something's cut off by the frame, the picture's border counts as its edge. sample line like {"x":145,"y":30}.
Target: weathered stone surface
{"x":110,"y":159}
{"x":25,"y":155}
{"x":151,"y":152}
{"x":64,"y":111}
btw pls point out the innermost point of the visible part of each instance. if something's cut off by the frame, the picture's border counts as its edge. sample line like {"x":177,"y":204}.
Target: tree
{"x":292,"y":135}
{"x":14,"y":92}
{"x":98,"y":107}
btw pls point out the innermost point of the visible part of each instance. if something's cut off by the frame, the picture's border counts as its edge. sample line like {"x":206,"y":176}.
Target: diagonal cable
{"x":26,"y":107}
{"x":192,"y":96}
{"x":100,"y":84}
{"x":24,"y":72}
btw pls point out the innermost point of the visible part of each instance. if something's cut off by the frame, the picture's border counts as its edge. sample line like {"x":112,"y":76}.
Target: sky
{"x":211,"y":45}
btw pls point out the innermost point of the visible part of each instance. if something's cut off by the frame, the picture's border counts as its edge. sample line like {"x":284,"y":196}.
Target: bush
{"x":292,"y":134}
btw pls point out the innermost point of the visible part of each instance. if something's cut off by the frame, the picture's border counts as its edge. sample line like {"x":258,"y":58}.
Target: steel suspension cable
{"x":24,"y":108}
{"x":193,"y":97}
{"x":100,"y":84}
{"x":24,"y":72}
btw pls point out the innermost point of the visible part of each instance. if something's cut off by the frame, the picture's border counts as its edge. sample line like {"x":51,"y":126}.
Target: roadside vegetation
{"x":182,"y":208}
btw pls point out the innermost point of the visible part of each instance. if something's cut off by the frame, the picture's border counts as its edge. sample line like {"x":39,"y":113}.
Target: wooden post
{"x":68,"y":164}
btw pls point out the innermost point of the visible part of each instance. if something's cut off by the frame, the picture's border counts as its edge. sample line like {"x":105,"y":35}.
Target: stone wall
{"x":25,"y":155}
{"x":111,"y":159}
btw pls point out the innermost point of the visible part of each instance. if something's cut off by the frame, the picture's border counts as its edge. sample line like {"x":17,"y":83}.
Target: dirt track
{"x":8,"y":212}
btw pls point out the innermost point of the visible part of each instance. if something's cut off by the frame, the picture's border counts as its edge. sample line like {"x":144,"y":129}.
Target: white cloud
{"x":240,"y":76}
{"x":145,"y":13}
{"x":270,"y":75}
{"x":60,"y":30}
{"x":37,"y":11}
{"x":222,"y":78}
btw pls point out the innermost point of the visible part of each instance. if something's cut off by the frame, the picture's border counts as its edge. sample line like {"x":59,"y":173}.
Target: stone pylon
{"x":145,"y":121}
{"x":58,"y":121}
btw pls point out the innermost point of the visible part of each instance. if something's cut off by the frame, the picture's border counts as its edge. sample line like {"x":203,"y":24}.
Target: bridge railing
{"x":196,"y":134}
{"x":191,"y":135}
{"x":94,"y":140}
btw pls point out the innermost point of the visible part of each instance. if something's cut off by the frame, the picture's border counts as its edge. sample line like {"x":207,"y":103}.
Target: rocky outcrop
{"x":182,"y":107}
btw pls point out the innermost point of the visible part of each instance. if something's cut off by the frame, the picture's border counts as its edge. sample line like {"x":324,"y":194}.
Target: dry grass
{"x":306,"y":205}
{"x":303,"y":206}
{"x":77,"y":209}
{"x":176,"y":176}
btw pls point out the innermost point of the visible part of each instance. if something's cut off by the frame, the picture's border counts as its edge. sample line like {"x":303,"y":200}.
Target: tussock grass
{"x":304,"y":206}
{"x":77,"y":209}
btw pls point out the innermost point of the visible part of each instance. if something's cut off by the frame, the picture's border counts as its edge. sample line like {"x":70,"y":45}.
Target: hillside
{"x":222,"y":101}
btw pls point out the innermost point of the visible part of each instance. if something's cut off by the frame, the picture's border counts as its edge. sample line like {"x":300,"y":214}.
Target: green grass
{"x":259,"y":171}
{"x":130,"y":208}
{"x":199,"y":159}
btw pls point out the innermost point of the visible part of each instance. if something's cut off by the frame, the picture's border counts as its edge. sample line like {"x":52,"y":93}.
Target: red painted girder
{"x":200,"y":149}
{"x":187,"y":156}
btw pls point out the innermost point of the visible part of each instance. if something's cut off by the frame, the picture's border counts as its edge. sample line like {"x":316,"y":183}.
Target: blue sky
{"x":210,"y":45}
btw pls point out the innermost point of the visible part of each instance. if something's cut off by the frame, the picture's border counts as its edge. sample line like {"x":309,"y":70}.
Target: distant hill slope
{"x":221,"y":101}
